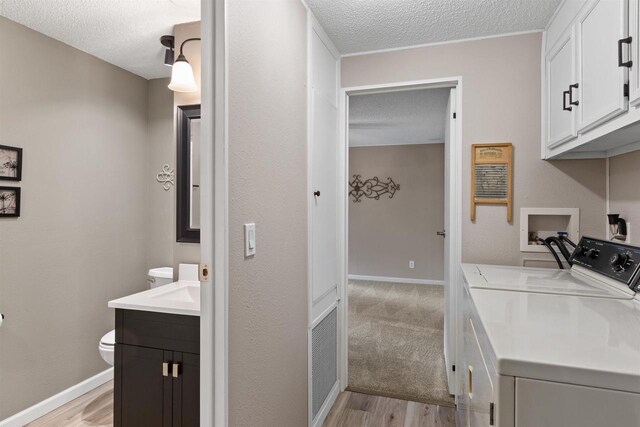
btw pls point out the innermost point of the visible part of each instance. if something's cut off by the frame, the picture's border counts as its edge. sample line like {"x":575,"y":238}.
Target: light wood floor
{"x":95,"y":408}
{"x":92,"y":409}
{"x":363,"y":410}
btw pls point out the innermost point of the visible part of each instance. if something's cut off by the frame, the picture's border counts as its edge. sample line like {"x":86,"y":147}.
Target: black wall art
{"x":9,"y":202}
{"x":10,"y":163}
{"x":371,"y":188}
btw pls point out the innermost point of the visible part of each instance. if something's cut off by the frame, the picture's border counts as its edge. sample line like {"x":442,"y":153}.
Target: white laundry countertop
{"x":579,"y":340}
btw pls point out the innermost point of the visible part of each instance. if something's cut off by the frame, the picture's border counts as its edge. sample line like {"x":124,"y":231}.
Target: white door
{"x":634,"y":32}
{"x":323,"y":223}
{"x":450,"y":288}
{"x":560,"y":76}
{"x":601,"y":31}
{"x":323,"y":163}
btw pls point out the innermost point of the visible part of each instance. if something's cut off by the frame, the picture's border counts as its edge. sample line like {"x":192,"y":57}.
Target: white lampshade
{"x":182,"y":77}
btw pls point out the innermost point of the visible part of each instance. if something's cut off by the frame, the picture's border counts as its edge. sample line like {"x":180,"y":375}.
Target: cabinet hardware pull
{"x":571,"y":101}
{"x":175,"y":370}
{"x":165,"y":369}
{"x":564,"y":101}
{"x":492,"y":415}
{"x":316,"y":193}
{"x":629,"y":63}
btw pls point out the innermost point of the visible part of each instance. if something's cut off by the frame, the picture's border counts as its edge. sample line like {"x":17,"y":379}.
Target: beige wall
{"x":162,"y":150}
{"x":82,"y":236}
{"x":385,"y":234}
{"x":267,"y":185}
{"x":624,"y":197}
{"x":501,"y":102}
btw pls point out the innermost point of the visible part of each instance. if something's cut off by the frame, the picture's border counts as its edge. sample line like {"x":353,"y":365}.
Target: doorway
{"x":451,"y":219}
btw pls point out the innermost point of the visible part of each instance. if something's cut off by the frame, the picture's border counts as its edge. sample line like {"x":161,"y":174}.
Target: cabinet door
{"x":601,"y":79}
{"x":143,"y":400}
{"x":568,"y":405}
{"x":186,"y":390}
{"x":634,"y":71}
{"x":479,"y":386}
{"x":560,"y":63}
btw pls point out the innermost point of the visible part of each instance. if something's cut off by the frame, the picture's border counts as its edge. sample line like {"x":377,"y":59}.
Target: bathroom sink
{"x":188,"y":293}
{"x":174,"y":298}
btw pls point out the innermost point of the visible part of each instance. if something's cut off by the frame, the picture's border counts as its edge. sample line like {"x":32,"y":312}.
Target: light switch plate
{"x":249,"y":239}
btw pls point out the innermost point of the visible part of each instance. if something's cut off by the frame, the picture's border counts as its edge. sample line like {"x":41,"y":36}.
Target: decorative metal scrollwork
{"x":166,"y":177}
{"x":372,"y":188}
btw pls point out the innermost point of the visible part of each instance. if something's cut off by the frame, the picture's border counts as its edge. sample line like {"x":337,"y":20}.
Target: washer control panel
{"x":614,"y":260}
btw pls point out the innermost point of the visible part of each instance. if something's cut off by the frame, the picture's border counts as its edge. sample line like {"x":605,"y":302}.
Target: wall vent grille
{"x":324,"y":359}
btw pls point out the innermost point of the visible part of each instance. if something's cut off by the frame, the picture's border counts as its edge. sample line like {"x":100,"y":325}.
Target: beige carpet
{"x":396,"y":341}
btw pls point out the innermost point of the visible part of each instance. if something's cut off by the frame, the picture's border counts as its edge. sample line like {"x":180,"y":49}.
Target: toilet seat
{"x":109,"y":339}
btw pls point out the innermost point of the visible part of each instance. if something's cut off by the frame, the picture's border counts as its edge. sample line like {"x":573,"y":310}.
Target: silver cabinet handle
{"x":165,"y":369}
{"x":175,"y":369}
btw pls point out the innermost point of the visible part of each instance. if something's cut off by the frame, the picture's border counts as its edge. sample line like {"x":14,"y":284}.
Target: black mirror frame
{"x":184,"y":232}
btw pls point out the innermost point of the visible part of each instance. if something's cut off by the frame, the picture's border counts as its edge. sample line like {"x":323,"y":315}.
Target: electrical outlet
{"x":412,"y":264}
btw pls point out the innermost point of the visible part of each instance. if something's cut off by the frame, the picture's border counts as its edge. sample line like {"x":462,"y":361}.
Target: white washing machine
{"x":601,"y":269}
{"x":553,"y":348}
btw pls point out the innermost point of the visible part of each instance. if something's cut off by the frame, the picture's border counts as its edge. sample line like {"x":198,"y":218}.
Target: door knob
{"x":316,"y":193}
{"x":441,"y":233}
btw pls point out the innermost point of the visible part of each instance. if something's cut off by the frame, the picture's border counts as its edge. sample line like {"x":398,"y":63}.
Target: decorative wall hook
{"x":166,"y":177}
{"x":372,"y":188}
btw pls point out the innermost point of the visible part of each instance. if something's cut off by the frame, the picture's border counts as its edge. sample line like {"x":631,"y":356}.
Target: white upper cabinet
{"x":560,"y":76}
{"x":601,"y":32}
{"x":634,"y":71}
{"x":591,"y":79}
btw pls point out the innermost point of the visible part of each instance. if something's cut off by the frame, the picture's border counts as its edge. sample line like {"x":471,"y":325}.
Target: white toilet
{"x":157,"y":277}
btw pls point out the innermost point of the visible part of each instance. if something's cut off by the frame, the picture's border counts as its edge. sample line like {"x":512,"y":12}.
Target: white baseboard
{"x":396,"y":280}
{"x":54,"y":402}
{"x":327,"y":405}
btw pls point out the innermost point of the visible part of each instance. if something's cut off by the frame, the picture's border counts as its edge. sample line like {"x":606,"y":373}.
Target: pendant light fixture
{"x":182,"y":74}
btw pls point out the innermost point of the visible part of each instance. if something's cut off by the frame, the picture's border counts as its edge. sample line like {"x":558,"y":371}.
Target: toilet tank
{"x":160,"y":276}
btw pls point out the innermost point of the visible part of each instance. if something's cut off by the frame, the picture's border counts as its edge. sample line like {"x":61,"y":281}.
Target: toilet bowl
{"x":107,"y":346}
{"x":157,"y":277}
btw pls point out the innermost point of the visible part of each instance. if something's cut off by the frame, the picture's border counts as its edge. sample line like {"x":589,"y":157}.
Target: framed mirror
{"x":188,"y":175}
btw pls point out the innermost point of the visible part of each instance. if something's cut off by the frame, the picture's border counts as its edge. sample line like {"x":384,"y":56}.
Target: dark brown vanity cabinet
{"x":157,"y":369}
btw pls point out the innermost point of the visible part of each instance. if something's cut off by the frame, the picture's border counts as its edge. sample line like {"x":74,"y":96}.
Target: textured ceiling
{"x":398,"y":118}
{"x":125,"y":33}
{"x":364,"y":25}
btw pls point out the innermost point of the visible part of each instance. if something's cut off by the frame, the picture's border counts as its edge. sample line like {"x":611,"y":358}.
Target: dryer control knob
{"x":619,"y":260}
{"x":592,"y":253}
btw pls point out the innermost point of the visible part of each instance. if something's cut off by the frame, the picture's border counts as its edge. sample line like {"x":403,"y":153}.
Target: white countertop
{"x":175,"y":298}
{"x":578,"y":340}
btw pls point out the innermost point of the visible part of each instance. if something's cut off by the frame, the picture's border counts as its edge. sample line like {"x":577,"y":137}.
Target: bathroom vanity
{"x":157,"y":357}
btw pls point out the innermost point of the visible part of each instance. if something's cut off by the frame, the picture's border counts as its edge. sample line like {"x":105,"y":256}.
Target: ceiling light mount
{"x":168,"y":41}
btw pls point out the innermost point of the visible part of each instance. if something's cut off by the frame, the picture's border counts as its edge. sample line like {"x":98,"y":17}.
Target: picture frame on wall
{"x":10,"y":163}
{"x":9,"y":202}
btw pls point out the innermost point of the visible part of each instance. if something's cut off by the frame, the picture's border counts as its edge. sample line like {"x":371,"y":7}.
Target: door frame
{"x":214,"y":214}
{"x":455,"y":213}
